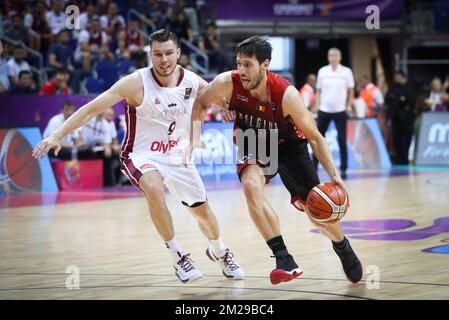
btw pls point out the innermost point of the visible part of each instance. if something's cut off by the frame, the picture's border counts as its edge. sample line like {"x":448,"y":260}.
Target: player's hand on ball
{"x":337,"y":180}
{"x":43,"y":147}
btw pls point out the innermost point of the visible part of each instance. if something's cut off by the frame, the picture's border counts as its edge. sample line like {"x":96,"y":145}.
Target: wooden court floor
{"x":399,"y":226}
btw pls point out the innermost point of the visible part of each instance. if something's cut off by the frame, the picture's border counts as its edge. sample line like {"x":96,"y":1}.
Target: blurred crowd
{"x":111,"y":42}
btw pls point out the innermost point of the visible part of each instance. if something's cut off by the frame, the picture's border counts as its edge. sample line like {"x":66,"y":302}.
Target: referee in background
{"x":335,"y":96}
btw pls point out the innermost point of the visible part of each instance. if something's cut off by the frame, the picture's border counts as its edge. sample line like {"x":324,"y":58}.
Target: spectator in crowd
{"x":181,"y":27}
{"x":34,"y":39}
{"x":335,"y":96}
{"x":142,"y":60}
{"x":60,"y":57}
{"x":56,"y":18}
{"x":98,"y":141}
{"x":58,"y":85}
{"x":131,"y":40}
{"x":155,"y":13}
{"x":37,"y":21}
{"x":60,"y":53}
{"x":26,"y":84}
{"x":184,"y":61}
{"x":112,"y":22}
{"x":208,"y":42}
{"x":371,"y":95}
{"x":174,"y":7}
{"x":401,"y":115}
{"x":102,"y":7}
{"x":97,"y":135}
{"x":308,"y":91}
{"x":18,"y":32}
{"x":114,"y":175}
{"x":16,"y":64}
{"x":87,"y":16}
{"x":435,"y":99}
{"x":109,"y":116}
{"x":125,"y":65}
{"x":71,"y":140}
{"x":92,"y":45}
{"x":4,"y":79}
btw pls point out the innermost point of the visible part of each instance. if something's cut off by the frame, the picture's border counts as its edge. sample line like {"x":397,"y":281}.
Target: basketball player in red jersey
{"x":158,"y":111}
{"x":261,"y":101}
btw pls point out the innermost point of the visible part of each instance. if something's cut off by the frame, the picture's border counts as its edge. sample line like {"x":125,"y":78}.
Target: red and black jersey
{"x":255,"y":114}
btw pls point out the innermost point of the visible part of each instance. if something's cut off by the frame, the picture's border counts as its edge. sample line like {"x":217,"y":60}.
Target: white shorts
{"x":184,"y":183}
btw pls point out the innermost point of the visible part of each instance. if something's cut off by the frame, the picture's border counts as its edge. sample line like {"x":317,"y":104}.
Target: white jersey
{"x":160,"y":126}
{"x":157,"y":133}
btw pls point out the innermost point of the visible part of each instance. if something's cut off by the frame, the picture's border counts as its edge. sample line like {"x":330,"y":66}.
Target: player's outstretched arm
{"x":214,"y":92}
{"x":126,"y":88}
{"x":293,"y":105}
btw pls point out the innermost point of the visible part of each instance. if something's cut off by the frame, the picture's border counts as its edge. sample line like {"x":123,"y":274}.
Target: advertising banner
{"x":433,"y":142}
{"x":79,"y":174}
{"x":365,"y":145}
{"x":366,"y":148}
{"x":19,"y":171}
{"x":338,"y":10}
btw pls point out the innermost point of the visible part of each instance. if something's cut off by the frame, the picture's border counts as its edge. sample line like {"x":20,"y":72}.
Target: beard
{"x":165,"y":75}
{"x":258,"y":80}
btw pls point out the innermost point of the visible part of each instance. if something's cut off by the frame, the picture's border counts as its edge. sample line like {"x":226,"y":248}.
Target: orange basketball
{"x":327,"y":203}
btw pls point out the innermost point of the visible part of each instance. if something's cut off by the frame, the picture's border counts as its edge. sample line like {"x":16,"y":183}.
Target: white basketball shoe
{"x":186,"y":271}
{"x":229,"y":266}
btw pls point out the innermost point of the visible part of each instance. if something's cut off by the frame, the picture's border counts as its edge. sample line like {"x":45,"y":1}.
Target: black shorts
{"x":295,"y":168}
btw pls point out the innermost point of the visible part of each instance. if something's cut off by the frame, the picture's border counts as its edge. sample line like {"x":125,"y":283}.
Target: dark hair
{"x":64,"y":31}
{"x":255,"y":45}
{"x":67,"y":103}
{"x":63,"y":71}
{"x":211,"y":23}
{"x":163,"y":35}
{"x":21,"y":73}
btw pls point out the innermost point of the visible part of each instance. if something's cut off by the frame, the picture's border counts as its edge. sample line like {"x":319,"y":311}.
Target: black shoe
{"x":343,"y":175}
{"x":351,"y":264}
{"x":286,"y":269}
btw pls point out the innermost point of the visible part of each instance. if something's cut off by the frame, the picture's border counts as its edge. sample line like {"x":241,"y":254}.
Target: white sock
{"x":175,"y":249}
{"x":218,"y":247}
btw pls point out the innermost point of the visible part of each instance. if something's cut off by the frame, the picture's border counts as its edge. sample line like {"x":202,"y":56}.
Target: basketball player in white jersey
{"x":159,"y":104}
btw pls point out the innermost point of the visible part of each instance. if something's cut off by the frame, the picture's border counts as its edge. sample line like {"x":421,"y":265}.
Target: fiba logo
{"x":19,"y":171}
{"x":72,"y":172}
{"x":439,"y":133}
